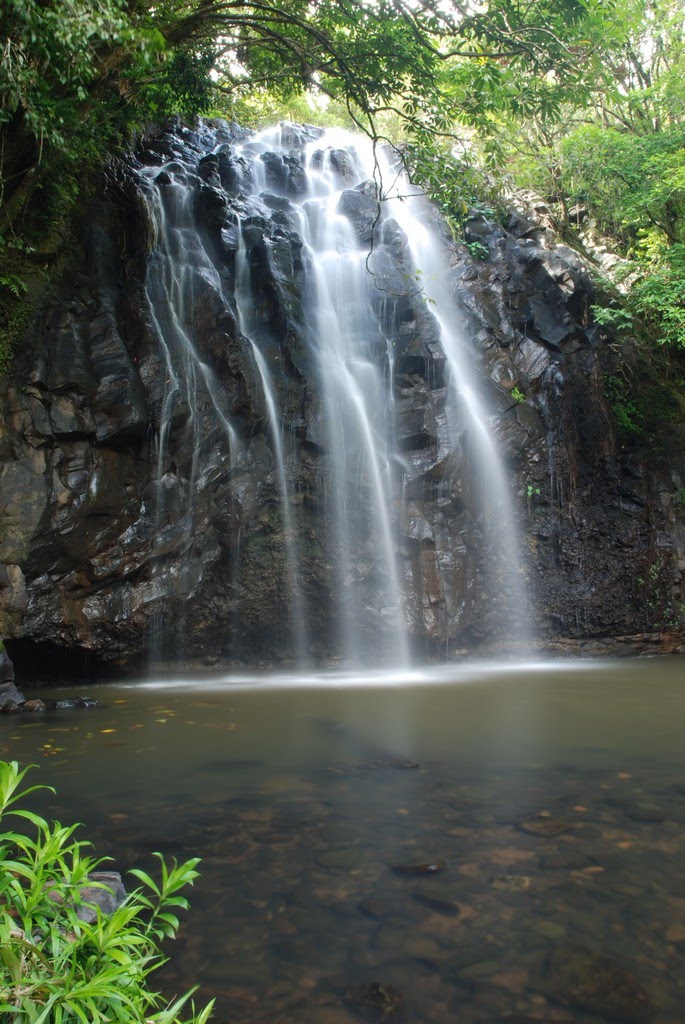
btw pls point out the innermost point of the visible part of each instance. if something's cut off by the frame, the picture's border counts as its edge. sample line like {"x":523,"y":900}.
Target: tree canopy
{"x":614,"y":152}
{"x":580,"y":99}
{"x":77,"y":75}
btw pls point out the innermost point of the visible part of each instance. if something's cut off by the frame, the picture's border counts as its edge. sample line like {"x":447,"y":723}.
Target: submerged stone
{"x":596,"y":984}
{"x":377,"y":1002}
{"x":432,"y":868}
{"x":544,"y":825}
{"x":74,"y":703}
{"x":391,"y":762}
{"x":439,"y":902}
{"x":644,"y":812}
{"x":343,"y":857}
{"x":511,"y":883}
{"x":549,"y":929}
{"x":377,"y":909}
{"x":482,"y":969}
{"x":566,"y":860}
{"x":34,"y":705}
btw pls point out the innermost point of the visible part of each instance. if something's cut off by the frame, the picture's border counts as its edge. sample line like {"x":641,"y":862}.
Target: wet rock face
{"x":9,"y":694}
{"x":360,"y":206}
{"x":599,"y":516}
{"x":127,"y":521}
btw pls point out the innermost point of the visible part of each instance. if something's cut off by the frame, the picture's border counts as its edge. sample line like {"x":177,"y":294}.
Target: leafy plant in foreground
{"x":58,"y":969}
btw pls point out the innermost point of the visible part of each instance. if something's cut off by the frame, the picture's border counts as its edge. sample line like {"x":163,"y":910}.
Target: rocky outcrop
{"x":9,"y":694}
{"x":604,"y":517}
{"x":133,"y":520}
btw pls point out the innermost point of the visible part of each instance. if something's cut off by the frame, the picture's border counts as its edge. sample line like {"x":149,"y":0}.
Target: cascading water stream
{"x":408,"y":207}
{"x":355,"y":393}
{"x":342,"y":294}
{"x":354,"y":398}
{"x":176,"y":252}
{"x":297,"y":614}
{"x":359,"y":338}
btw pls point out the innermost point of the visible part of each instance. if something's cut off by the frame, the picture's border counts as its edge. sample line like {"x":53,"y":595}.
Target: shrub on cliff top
{"x":58,"y":969}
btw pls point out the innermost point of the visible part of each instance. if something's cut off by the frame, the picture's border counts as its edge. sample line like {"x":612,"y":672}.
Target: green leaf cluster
{"x":58,"y":969}
{"x":518,"y":395}
{"x":606,"y":147}
{"x":617,"y":319}
{"x":659,"y":298}
{"x":635,"y":183}
{"x":78,"y":76}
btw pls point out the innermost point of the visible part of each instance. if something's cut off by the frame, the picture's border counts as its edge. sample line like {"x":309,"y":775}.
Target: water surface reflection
{"x":552,"y":797}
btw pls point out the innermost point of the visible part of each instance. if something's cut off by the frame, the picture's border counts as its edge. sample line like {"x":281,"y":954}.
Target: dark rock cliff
{"x":92,"y":559}
{"x":604,"y":510}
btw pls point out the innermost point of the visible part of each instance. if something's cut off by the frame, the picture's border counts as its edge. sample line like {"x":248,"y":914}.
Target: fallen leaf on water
{"x":580,"y":808}
{"x":107,"y":730}
{"x":623,"y":775}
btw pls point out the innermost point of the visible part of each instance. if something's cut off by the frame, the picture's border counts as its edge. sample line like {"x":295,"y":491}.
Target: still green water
{"x":551,"y":797}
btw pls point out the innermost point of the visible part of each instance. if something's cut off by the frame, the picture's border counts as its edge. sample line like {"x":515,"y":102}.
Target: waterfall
{"x":246,"y":323}
{"x":190,"y":389}
{"x":323,"y":258}
{"x":470,"y":413}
